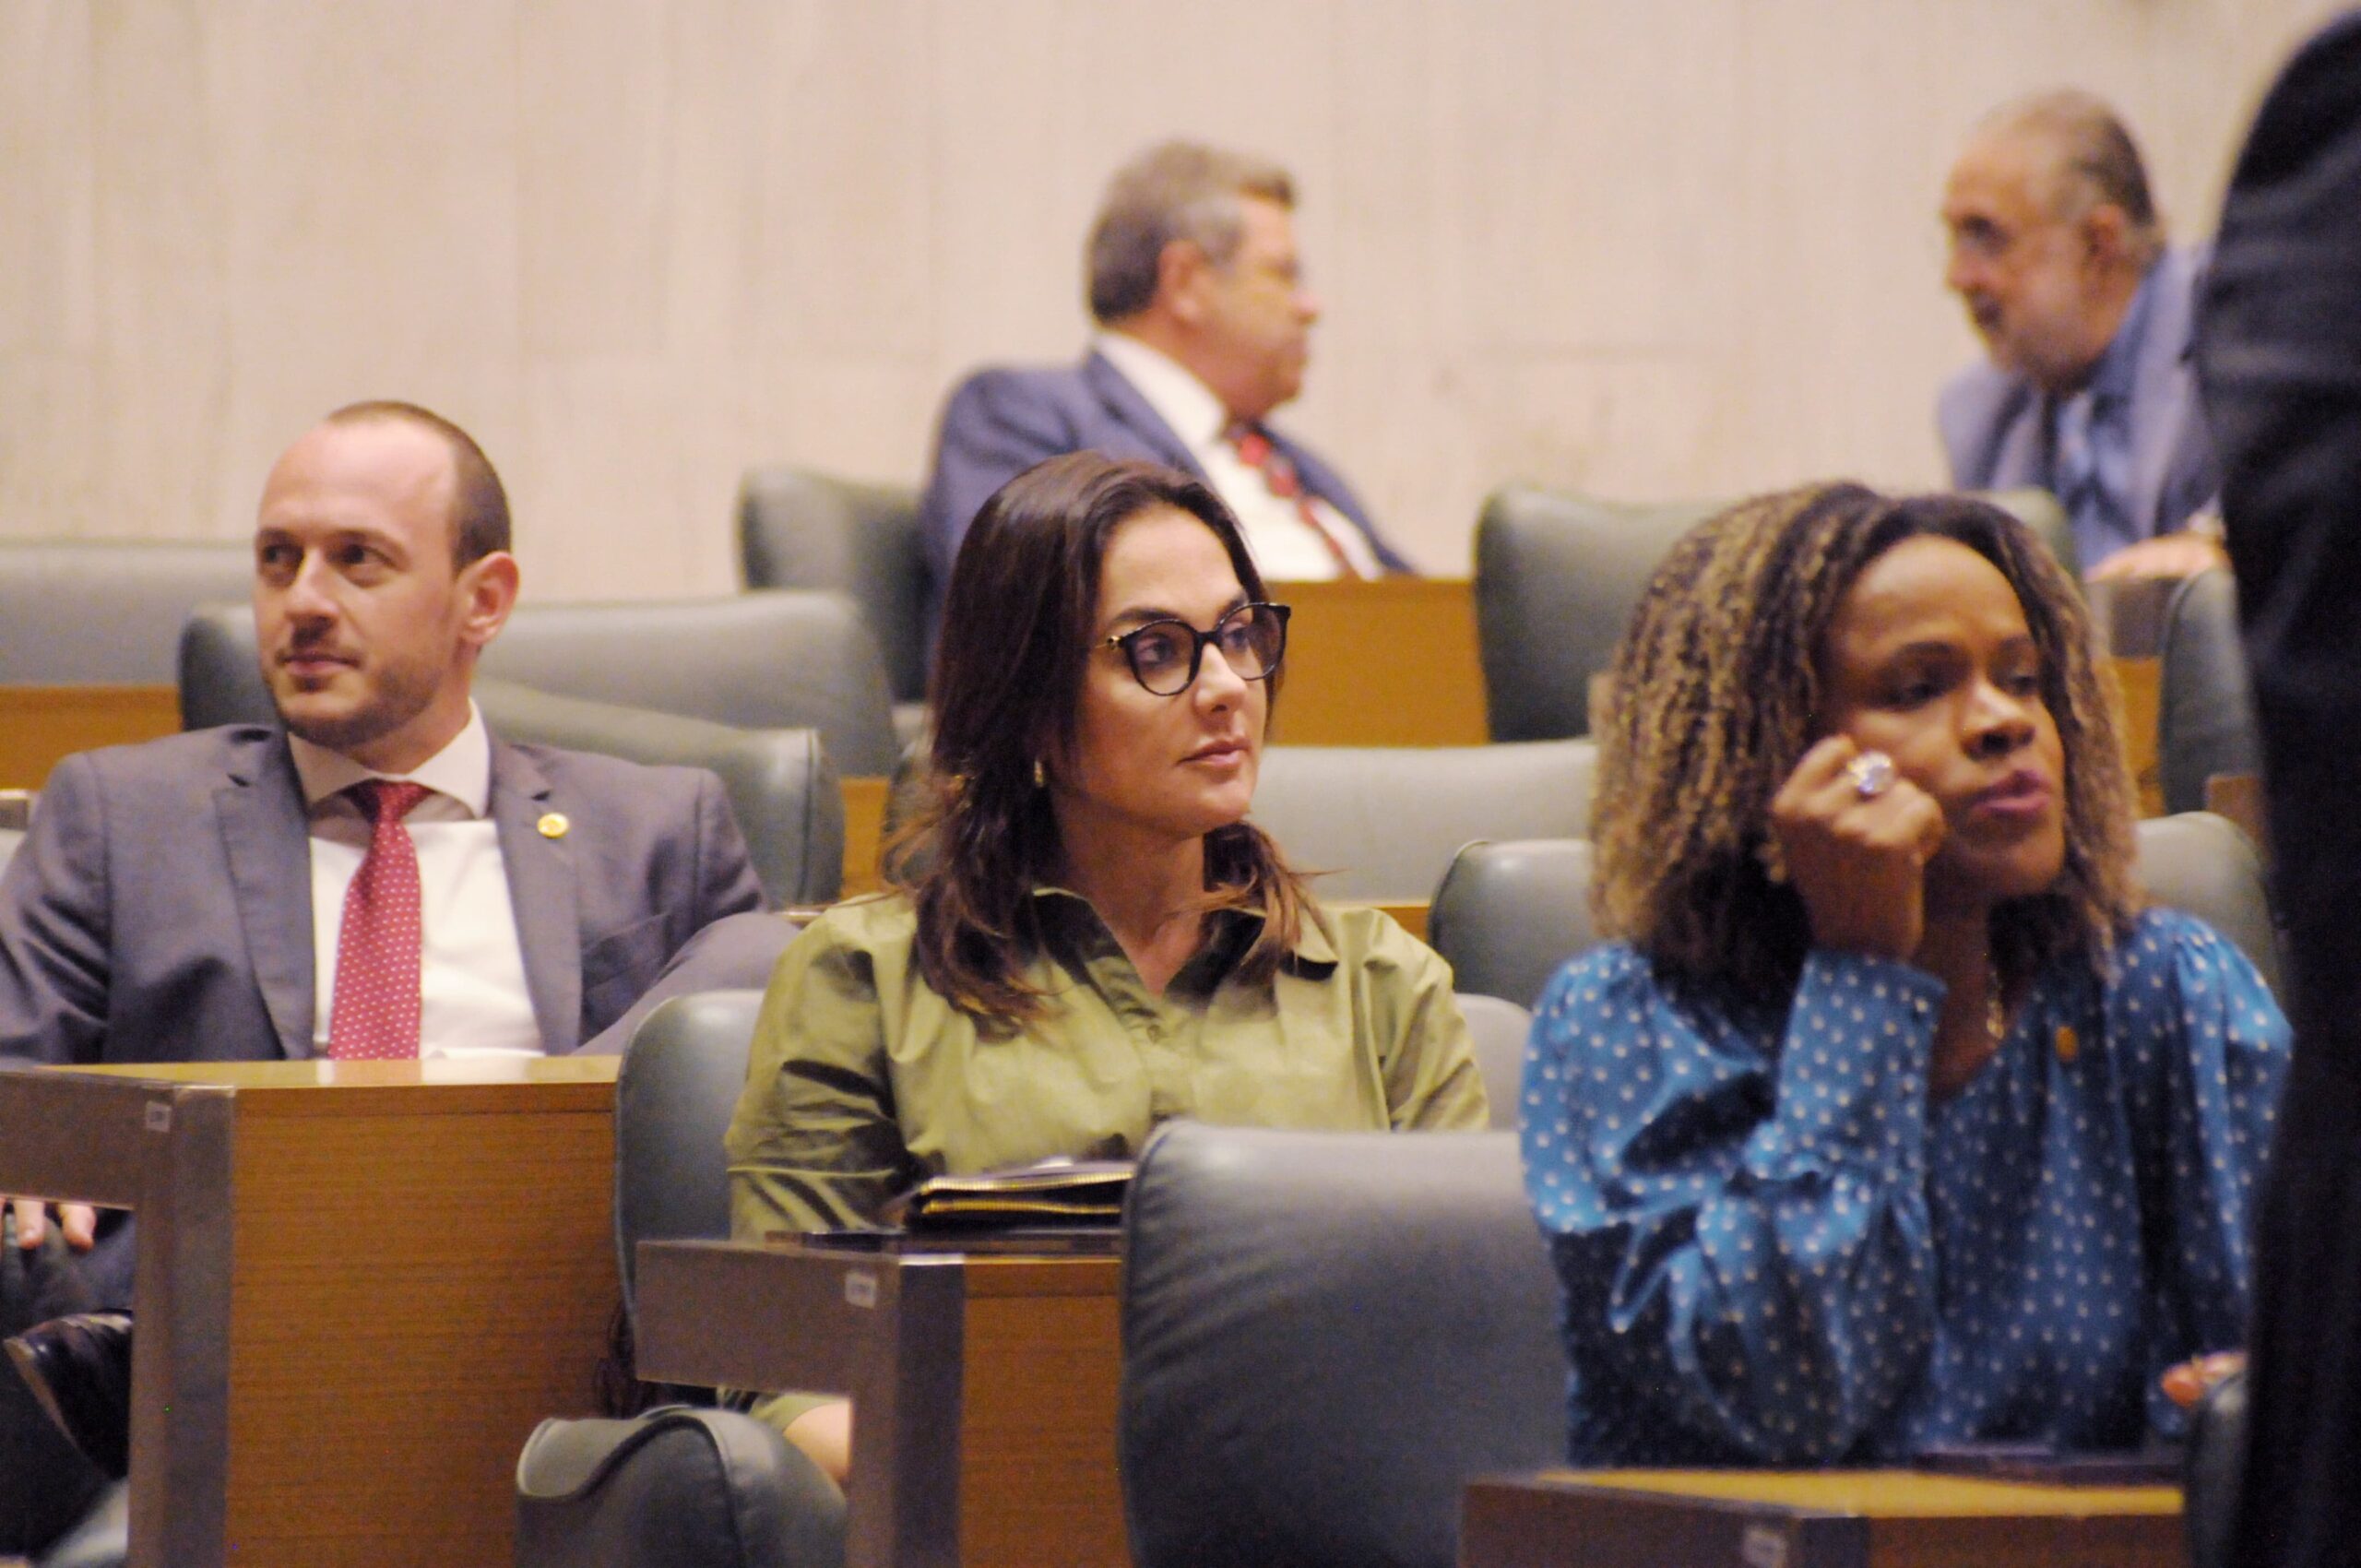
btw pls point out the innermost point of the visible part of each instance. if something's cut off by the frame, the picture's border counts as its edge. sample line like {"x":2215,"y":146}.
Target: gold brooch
{"x":553,"y":824}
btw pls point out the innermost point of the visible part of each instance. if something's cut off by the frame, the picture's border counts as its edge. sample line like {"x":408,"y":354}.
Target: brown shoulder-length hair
{"x":1714,"y":690}
{"x":1019,"y":622}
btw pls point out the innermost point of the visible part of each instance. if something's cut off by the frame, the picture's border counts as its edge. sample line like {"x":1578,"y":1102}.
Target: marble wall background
{"x":1662,"y":249}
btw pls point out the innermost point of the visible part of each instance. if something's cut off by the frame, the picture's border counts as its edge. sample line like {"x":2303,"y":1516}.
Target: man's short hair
{"x":2097,"y":160}
{"x":479,"y":503}
{"x":1179,"y":190}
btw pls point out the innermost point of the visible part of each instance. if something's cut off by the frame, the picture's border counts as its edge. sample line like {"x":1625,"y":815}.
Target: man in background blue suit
{"x":1204,"y":327}
{"x":2059,"y":255}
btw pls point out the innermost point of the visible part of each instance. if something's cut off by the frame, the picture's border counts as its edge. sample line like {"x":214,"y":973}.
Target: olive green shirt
{"x":864,"y":1081}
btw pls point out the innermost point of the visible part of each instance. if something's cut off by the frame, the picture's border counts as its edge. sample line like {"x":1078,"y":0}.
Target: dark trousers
{"x":45,"y":1484}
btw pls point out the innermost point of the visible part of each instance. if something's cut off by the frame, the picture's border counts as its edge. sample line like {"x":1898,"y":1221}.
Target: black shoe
{"x":79,"y":1368}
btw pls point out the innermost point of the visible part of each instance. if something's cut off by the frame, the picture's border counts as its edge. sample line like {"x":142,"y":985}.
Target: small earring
{"x":1040,"y":780}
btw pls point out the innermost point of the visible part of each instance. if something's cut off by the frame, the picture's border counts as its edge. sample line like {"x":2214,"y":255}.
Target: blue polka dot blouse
{"x":1773,"y":1250}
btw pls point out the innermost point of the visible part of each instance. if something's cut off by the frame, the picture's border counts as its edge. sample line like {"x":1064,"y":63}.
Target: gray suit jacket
{"x":1996,"y":426}
{"x":160,"y":908}
{"x":1002,"y":422}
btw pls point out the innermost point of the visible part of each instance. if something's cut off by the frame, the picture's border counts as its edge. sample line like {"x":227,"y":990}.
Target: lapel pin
{"x":553,"y":824}
{"x":2069,"y":1047}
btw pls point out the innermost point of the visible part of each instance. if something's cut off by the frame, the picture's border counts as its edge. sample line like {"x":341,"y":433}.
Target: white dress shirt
{"x":472,"y":1001}
{"x":1285,"y":547}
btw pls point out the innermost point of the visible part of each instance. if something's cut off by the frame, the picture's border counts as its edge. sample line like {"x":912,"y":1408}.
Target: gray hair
{"x":1178,"y":190}
{"x":2096,"y":160}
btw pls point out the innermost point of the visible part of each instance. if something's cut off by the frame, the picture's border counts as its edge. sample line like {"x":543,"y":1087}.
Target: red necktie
{"x":375,"y":1014}
{"x":1257,"y":451}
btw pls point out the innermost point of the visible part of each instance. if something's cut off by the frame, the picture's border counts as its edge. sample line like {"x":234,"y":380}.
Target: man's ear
{"x":487,"y":586}
{"x":1181,"y":272}
{"x":2105,"y":232}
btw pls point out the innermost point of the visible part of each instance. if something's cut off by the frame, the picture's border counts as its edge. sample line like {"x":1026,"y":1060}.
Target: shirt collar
{"x":1179,"y":399}
{"x":2112,"y":377}
{"x":462,"y":769}
{"x":1234,"y":930}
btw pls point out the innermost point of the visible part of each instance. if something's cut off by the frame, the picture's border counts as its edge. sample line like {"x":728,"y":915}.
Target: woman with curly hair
{"x":1892,"y":1118}
{"x":1086,"y":936}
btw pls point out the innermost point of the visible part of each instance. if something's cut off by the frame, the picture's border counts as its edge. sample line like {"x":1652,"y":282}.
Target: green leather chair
{"x":1509,"y":914}
{"x":1558,"y":575}
{"x":801,"y":529}
{"x":751,"y":661}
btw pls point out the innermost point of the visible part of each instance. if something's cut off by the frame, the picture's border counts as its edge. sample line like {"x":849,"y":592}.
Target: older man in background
{"x":2059,"y":254}
{"x":1204,"y":327}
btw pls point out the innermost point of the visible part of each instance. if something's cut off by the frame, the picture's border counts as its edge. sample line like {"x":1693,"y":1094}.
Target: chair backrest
{"x":1558,"y":576}
{"x":86,"y":611}
{"x":1497,"y":1030}
{"x":1325,"y":1334}
{"x":674,"y":1095}
{"x":781,"y":787}
{"x":2205,"y":722}
{"x":1386,"y":821}
{"x":2201,"y":865}
{"x":1508,"y":915}
{"x":801,"y":530}
{"x":756,"y":661}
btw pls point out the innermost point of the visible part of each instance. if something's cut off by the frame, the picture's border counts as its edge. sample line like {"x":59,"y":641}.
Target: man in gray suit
{"x":207,"y":896}
{"x":2060,"y":257}
{"x":1204,"y":328}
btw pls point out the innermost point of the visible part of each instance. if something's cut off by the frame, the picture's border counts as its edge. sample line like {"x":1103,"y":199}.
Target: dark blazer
{"x":2279,"y":355}
{"x":160,"y":908}
{"x":1001,"y":421}
{"x":1995,"y":425}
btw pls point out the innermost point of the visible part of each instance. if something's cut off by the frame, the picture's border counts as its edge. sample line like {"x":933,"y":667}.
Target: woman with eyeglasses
{"x":1084,"y":936}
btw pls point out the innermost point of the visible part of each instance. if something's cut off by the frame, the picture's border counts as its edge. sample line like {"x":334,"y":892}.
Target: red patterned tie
{"x":375,"y":1014}
{"x":1257,"y":451}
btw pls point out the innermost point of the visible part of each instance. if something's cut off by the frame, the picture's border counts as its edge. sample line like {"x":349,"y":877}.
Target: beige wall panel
{"x":369,"y":154}
{"x":853,"y":416}
{"x":639,"y":245}
{"x":603,"y":495}
{"x":843,"y":215}
{"x":162,"y":275}
{"x":47,"y":173}
{"x":52,"y":419}
{"x":597,"y":97}
{"x":1014,"y":178}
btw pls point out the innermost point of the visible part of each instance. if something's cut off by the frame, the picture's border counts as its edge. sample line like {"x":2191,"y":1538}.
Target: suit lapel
{"x":542,"y":892}
{"x":1123,"y":404}
{"x":267,"y":837}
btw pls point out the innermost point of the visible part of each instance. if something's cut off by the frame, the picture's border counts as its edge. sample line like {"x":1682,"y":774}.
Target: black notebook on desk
{"x":1048,"y":1194}
{"x":1055,"y":1206}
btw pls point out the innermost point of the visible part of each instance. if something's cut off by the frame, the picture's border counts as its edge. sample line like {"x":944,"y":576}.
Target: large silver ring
{"x":1871,"y":773}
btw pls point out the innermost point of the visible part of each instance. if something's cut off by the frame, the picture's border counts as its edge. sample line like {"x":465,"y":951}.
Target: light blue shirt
{"x":2090,"y":441}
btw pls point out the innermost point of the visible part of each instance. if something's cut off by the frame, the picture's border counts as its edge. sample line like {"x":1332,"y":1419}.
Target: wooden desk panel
{"x":864,"y":833}
{"x":1038,"y":1412}
{"x":39,"y":725}
{"x":1813,"y":1519}
{"x":361,"y":1285}
{"x":2139,"y":683}
{"x":1387,"y":663}
{"x":983,"y":1389}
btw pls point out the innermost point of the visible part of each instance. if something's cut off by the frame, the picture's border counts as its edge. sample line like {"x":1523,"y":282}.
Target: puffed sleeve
{"x":814,"y":1143}
{"x":2204,"y":1050}
{"x":1737,"y":1217}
